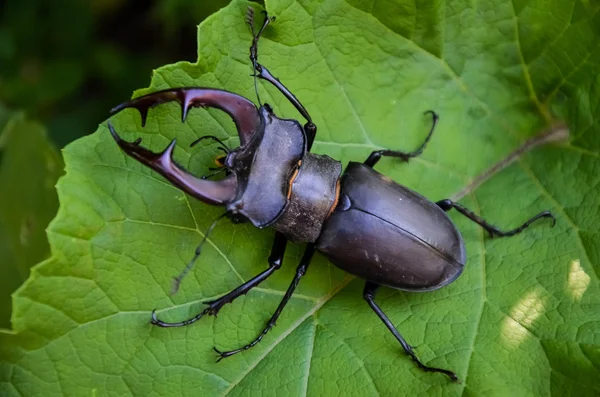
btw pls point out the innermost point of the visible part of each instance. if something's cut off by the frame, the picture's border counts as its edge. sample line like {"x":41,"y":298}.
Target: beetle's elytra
{"x":396,"y":237}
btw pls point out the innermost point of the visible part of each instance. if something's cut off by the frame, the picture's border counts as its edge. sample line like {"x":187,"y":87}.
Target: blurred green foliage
{"x":29,"y":168}
{"x":67,"y":62}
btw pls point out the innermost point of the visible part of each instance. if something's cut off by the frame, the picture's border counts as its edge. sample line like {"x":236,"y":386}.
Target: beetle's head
{"x":263,"y":159}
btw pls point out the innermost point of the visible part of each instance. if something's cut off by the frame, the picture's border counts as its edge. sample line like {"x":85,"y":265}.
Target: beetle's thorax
{"x":312,"y":197}
{"x":280,"y":184}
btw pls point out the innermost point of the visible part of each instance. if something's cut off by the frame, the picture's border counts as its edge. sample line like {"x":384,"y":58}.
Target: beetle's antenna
{"x":224,"y":147}
{"x":257,"y":68}
{"x":216,"y":172}
{"x":177,"y":280}
{"x":253,"y":50}
{"x":250,"y":19}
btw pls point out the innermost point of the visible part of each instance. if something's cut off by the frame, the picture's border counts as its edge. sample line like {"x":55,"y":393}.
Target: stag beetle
{"x":361,"y":220}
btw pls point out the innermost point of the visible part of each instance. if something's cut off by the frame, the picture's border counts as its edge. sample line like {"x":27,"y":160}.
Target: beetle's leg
{"x":375,"y":156}
{"x":310,"y":128}
{"x":263,"y":73}
{"x":369,"y":295}
{"x":300,"y":271}
{"x":494,"y":231}
{"x":275,"y":261}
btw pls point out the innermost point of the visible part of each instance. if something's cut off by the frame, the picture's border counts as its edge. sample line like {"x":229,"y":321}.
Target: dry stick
{"x":558,"y":132}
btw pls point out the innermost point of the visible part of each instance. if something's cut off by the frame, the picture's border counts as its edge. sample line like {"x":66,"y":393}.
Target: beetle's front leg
{"x":275,"y":261}
{"x":263,"y":73}
{"x":369,"y":295}
{"x":300,"y":271}
{"x":494,"y":231}
{"x":376,"y":155}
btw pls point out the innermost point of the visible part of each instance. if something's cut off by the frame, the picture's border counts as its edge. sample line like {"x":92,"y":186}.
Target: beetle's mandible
{"x":395,"y":238}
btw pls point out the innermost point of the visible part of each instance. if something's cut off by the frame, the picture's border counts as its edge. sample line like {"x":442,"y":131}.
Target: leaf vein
{"x":483,"y":298}
{"x":356,"y":356}
{"x":311,"y":347}
{"x":532,"y":94}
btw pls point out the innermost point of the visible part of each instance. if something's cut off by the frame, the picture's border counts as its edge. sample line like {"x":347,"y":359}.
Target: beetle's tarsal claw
{"x":548,"y":214}
{"x":220,"y":353}
{"x":432,"y":113}
{"x":154,"y":320}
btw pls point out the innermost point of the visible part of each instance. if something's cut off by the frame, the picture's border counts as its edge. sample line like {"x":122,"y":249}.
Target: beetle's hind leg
{"x":275,"y":261}
{"x":263,"y":73}
{"x":375,"y":156}
{"x":369,"y":295}
{"x":300,"y":271}
{"x":494,"y":231}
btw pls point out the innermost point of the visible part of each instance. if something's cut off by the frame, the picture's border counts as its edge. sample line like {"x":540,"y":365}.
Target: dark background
{"x":67,"y":62}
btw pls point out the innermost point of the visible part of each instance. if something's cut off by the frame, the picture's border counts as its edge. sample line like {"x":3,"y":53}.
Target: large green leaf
{"x":29,"y":168}
{"x":523,"y":319}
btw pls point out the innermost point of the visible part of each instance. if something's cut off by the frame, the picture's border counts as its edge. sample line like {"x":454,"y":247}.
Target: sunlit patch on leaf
{"x":578,"y":280}
{"x":516,"y":326}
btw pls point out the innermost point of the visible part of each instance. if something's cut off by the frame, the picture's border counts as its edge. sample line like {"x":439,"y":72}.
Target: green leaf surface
{"x":523,"y":319}
{"x":29,"y":169}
